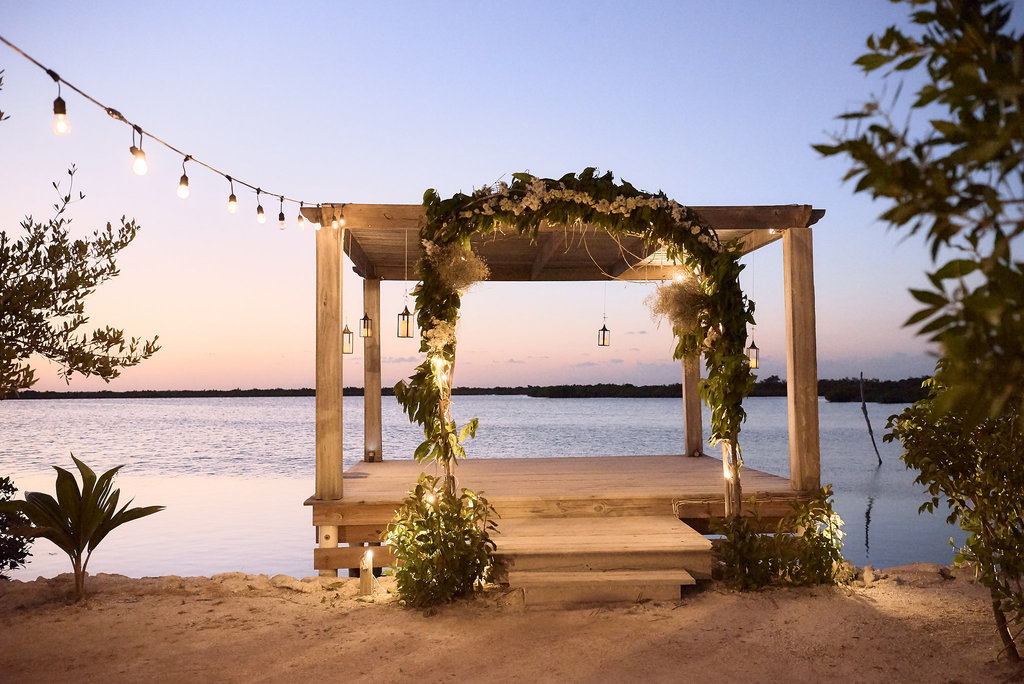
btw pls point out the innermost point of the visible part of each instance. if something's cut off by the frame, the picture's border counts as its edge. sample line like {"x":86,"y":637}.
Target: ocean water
{"x":234,"y":472}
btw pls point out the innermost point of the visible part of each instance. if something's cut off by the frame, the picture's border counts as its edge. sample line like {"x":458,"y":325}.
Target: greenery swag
{"x":576,"y":200}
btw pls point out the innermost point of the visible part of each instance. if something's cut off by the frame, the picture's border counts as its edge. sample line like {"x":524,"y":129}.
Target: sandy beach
{"x":910,"y":624}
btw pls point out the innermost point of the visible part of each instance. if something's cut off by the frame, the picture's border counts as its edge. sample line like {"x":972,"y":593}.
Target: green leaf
{"x":872,"y":61}
{"x":929,"y":297}
{"x":956,"y":268}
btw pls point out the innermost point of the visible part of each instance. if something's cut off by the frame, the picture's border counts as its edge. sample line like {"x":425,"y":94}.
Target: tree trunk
{"x":79,"y":579}
{"x":1004,"y":631}
{"x":731,"y":468}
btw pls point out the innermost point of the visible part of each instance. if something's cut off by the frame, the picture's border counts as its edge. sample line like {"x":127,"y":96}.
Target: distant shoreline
{"x":842,"y":390}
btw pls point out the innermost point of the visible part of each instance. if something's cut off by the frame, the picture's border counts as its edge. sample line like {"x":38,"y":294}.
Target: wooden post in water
{"x":329,"y":465}
{"x":693,"y":422}
{"x":801,"y":360}
{"x":371,"y":373}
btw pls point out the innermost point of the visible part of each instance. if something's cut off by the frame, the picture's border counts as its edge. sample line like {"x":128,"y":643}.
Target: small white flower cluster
{"x":458,"y":267}
{"x":440,"y":334}
{"x":538,"y":194}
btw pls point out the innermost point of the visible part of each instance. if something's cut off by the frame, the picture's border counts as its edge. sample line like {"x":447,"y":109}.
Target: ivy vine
{"x":621,"y":210}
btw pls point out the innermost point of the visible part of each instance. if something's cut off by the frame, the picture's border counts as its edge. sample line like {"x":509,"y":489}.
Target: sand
{"x":909,"y":625}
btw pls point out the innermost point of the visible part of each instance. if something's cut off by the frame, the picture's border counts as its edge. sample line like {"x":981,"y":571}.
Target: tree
{"x":45,"y":277}
{"x":958,"y":178}
{"x":977,"y":470}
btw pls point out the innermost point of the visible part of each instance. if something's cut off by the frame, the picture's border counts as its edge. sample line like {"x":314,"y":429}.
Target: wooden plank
{"x":564,"y":588}
{"x":801,"y":360}
{"x":549,"y":242}
{"x":361,"y":533}
{"x":327,"y":538}
{"x":361,"y":261}
{"x":329,"y":380}
{"x":693,"y":421}
{"x":350,"y":557}
{"x":372,"y":442}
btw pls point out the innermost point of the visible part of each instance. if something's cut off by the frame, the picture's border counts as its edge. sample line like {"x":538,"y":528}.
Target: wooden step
{"x":562,"y":588}
{"x":603,"y":544}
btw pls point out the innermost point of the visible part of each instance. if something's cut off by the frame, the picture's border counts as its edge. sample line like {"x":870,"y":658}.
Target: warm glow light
{"x":232,"y":204}
{"x":60,"y":117}
{"x":334,"y":224}
{"x":405,"y":323}
{"x":183,"y":192}
{"x":260,"y":216}
{"x":139,"y":165}
{"x":302,"y":222}
{"x":346,"y":341}
{"x":753,"y":354}
{"x":281,"y":221}
{"x":365,"y":326}
{"x":430,"y":498}
{"x":604,"y":336}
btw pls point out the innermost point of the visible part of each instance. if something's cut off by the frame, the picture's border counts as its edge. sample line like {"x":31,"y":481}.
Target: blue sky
{"x":714,"y":103}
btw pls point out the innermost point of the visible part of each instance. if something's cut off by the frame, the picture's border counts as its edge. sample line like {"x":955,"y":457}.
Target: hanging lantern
{"x":346,"y":341}
{"x":405,"y":323}
{"x":752,"y":355}
{"x":604,"y":336}
{"x":365,"y":326}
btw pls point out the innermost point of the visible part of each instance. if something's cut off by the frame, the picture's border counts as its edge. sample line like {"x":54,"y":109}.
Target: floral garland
{"x":720,"y":333}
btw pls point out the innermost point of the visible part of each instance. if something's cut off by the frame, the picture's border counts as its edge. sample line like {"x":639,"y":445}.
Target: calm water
{"x":233,"y":472}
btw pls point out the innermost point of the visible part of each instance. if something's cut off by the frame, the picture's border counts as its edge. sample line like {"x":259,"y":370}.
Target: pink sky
{"x":376,"y":104}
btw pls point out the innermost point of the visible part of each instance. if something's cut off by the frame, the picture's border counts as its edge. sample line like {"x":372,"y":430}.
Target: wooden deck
{"x":528,"y":491}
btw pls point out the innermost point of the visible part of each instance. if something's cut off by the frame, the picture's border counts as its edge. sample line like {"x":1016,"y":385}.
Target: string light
{"x":319,"y":216}
{"x":232,"y":200}
{"x":302,"y":219}
{"x":140,"y":165}
{"x":260,"y":216}
{"x":61,"y":126}
{"x":183,"y":191}
{"x":280,"y":216}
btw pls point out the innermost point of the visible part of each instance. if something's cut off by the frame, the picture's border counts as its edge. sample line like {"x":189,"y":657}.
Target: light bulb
{"x":60,"y":117}
{"x":334,"y":224}
{"x":280,"y":220}
{"x":302,"y":222}
{"x":317,"y":225}
{"x":139,"y":165}
{"x":183,"y":192}
{"x":232,"y":204}
{"x":260,"y":216}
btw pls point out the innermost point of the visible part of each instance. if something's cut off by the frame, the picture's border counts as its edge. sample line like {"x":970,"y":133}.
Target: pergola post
{"x":693,"y":421}
{"x":329,"y":465}
{"x":371,"y":373}
{"x":801,"y":360}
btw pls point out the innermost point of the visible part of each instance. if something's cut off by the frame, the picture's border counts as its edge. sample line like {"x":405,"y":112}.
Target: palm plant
{"x":79,"y":518}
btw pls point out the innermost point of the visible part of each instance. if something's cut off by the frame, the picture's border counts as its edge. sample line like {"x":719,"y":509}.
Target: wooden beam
{"x":349,"y":557}
{"x":549,"y":242}
{"x":693,"y":421}
{"x":360,"y":259}
{"x":637,"y":252}
{"x":328,"y":365}
{"x":801,"y":360}
{"x":371,"y":373}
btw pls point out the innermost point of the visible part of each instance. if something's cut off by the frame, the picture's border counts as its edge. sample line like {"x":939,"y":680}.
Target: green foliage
{"x":13,"y":547}
{"x":955,"y":173}
{"x":45,"y":277}
{"x":977,"y":469}
{"x":441,"y":543}
{"x":79,"y":518}
{"x":620,"y":209}
{"x":805,"y":548}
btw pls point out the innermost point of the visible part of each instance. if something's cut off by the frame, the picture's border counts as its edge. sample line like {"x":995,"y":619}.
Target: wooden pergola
{"x":376,"y":238}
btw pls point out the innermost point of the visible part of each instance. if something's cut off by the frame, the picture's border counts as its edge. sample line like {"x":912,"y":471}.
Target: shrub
{"x":79,"y":518}
{"x":805,"y":548}
{"x":13,"y":548}
{"x":441,"y":543}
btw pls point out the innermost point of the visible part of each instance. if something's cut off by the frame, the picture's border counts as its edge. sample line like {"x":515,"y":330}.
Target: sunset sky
{"x":714,"y":103}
